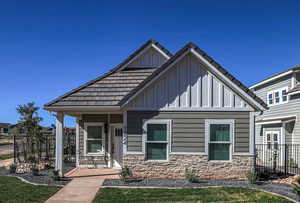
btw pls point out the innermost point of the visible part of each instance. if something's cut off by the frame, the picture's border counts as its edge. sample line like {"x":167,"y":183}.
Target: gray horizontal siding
{"x":102,"y":160}
{"x":287,"y":109}
{"x":188,"y":129}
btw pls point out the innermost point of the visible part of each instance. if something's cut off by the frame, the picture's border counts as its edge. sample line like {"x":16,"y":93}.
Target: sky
{"x":50,"y":47}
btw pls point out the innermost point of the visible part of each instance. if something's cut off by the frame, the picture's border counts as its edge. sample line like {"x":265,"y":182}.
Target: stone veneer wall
{"x":177,"y":164}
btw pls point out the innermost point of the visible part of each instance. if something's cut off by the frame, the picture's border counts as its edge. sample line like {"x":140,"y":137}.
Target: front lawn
{"x":13,"y":190}
{"x":213,"y":194}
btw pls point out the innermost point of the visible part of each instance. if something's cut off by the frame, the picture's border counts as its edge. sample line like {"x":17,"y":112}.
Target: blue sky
{"x":50,"y":47}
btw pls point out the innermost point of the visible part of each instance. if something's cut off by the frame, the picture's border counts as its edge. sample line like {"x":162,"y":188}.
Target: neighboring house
{"x":4,"y":128}
{"x":160,"y":114}
{"x":280,"y":123}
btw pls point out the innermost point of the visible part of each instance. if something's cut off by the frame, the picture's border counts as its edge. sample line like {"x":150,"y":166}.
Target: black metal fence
{"x":277,"y":158}
{"x":39,"y":149}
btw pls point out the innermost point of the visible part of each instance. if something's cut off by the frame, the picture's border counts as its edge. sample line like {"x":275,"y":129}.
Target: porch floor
{"x":102,"y":173}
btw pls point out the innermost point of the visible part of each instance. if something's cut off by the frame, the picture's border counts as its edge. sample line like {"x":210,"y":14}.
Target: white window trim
{"x":86,"y":124}
{"x":208,"y":122}
{"x":168,"y":123}
{"x":280,"y":96}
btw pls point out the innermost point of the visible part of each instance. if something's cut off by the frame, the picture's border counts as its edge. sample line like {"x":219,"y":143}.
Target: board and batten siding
{"x":188,"y":85}
{"x":103,"y":118}
{"x":188,"y":129}
{"x":281,"y":110}
{"x":151,"y":58}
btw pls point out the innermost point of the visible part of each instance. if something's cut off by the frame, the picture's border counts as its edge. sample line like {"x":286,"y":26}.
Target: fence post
{"x":285,"y":158}
{"x":14,"y":148}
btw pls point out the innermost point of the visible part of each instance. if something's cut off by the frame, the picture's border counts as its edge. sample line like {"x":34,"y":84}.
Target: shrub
{"x":12,"y":168}
{"x":125,"y":173}
{"x":35,"y":171}
{"x":297,"y":179}
{"x":32,"y":159}
{"x":190,"y":176}
{"x":251,"y":176}
{"x":55,"y":175}
{"x":292,"y":163}
{"x":265,"y":175}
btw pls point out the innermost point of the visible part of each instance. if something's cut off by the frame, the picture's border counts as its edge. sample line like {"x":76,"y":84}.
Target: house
{"x":4,"y":128}
{"x":160,"y":114}
{"x":279,"y":124}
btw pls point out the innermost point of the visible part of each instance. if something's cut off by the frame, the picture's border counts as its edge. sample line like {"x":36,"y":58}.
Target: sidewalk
{"x":84,"y":186}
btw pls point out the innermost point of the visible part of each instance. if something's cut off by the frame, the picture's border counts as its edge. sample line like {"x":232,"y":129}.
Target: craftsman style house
{"x":279,"y":124}
{"x":160,"y":114}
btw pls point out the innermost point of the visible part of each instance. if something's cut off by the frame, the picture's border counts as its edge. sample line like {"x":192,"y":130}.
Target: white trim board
{"x":271,"y":79}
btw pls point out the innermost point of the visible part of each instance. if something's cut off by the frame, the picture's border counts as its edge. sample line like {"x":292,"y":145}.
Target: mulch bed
{"x":279,"y":188}
{"x":44,"y":177}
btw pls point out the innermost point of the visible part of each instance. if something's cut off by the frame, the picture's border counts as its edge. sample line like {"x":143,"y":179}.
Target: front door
{"x":273,"y":153}
{"x":117,"y":146}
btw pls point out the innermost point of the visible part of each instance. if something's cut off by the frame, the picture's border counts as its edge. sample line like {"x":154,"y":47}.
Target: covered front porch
{"x":99,"y":140}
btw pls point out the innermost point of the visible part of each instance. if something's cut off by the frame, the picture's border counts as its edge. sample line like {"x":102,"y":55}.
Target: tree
{"x":29,"y":124}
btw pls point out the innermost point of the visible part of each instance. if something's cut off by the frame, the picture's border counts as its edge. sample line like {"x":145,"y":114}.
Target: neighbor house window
{"x":93,"y":138}
{"x":156,"y":139}
{"x":284,"y":95}
{"x":220,"y":133}
{"x":270,"y":98}
{"x":278,"y":96}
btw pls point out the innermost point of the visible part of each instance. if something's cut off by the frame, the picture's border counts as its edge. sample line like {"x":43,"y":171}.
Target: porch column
{"x":77,"y":142}
{"x":59,"y":142}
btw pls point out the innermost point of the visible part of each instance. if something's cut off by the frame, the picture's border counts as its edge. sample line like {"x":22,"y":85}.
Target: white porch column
{"x":59,"y":142}
{"x":77,"y":142}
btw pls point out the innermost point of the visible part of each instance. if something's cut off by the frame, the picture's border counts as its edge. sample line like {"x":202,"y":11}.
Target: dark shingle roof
{"x":108,"y":91}
{"x":209,"y":59}
{"x":64,"y":98}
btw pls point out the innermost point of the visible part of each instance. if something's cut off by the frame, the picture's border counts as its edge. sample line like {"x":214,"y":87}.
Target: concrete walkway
{"x":84,"y":186}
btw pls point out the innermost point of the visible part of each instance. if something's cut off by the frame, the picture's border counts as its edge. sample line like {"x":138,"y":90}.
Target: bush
{"x":125,"y":173}
{"x":251,"y":176}
{"x":265,"y":175}
{"x":32,"y":159}
{"x":292,"y":163}
{"x":190,"y":176}
{"x":55,"y":175}
{"x":12,"y":168}
{"x":35,"y":171}
{"x":297,"y":179}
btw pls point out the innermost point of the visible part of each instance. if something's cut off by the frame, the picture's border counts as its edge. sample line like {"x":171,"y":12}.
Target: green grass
{"x":13,"y":190}
{"x":6,"y":156}
{"x":203,"y":195}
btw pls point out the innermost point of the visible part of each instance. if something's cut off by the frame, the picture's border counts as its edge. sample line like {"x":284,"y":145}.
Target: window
{"x":270,"y":97}
{"x":269,"y":141}
{"x":220,"y":133}
{"x":156,"y":139}
{"x":93,"y":138}
{"x":284,"y":95}
{"x":278,"y":96}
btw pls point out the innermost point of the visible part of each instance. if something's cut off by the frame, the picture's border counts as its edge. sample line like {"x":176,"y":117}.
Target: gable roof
{"x":276,"y":76}
{"x":108,"y":86}
{"x":260,"y":104}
